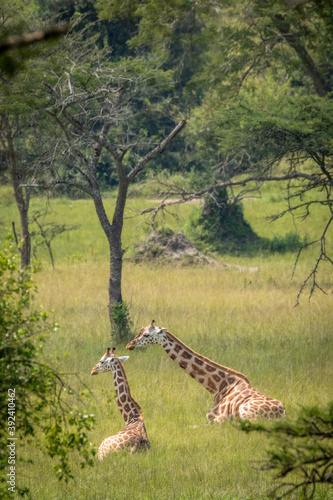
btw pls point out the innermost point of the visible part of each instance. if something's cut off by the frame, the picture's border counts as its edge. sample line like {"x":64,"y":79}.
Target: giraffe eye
{"x":146,"y":335}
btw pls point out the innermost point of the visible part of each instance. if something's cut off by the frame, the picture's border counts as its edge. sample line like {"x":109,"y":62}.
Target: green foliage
{"x":40,"y":410}
{"x":122,"y":325}
{"x":291,"y":242}
{"x":60,"y":441}
{"x":302,"y":451}
{"x":221,"y":225}
{"x":16,"y":19}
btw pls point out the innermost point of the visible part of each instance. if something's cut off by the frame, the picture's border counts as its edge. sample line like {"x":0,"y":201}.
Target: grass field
{"x":241,"y":319}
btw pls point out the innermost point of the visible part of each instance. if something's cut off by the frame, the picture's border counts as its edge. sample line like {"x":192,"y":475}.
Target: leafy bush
{"x":221,"y":227}
{"x":29,"y":388}
{"x":291,"y":242}
{"x":302,"y":451}
{"x":122,"y":324}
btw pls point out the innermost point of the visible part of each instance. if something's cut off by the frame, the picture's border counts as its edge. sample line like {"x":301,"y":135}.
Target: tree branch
{"x":27,"y":39}
{"x":156,"y":151}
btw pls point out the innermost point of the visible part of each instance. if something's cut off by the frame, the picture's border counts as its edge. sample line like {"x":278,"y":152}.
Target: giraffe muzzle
{"x":130,"y":347}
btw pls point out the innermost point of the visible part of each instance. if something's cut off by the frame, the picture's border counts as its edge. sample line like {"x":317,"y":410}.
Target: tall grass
{"x":241,"y":319}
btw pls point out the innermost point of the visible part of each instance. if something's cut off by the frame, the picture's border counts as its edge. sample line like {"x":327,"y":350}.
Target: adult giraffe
{"x":234,"y":396}
{"x":134,"y":435}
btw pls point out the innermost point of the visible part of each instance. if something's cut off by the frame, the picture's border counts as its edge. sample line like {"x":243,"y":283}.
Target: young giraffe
{"x":233,"y":394}
{"x":134,"y":435}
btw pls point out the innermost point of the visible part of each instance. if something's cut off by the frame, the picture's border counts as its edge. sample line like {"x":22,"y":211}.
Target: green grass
{"x":244,"y":320}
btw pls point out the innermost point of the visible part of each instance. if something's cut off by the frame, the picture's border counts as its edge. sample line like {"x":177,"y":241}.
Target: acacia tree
{"x":17,"y":176}
{"x":13,"y":18}
{"x":95,"y":110}
{"x":20,"y":122}
{"x":265,"y":84}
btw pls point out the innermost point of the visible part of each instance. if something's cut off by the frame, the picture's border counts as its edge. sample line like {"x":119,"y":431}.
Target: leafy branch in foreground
{"x":302,"y":451}
{"x":41,"y":412}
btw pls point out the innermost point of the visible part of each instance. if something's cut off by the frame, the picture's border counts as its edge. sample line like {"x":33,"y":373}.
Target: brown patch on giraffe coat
{"x":121,"y":389}
{"x":211,"y":385}
{"x":198,"y":361}
{"x":123,"y":398}
{"x":198,"y":371}
{"x":210,"y":368}
{"x":173,"y":356}
{"x":178,"y":348}
{"x":183,"y":365}
{"x":126,"y":407}
{"x":186,"y":355}
{"x":167,"y":351}
{"x":216,"y":378}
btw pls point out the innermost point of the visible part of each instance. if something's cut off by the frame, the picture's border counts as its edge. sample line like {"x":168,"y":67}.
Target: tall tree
{"x":255,"y":58}
{"x":95,"y":108}
{"x":20,"y":125}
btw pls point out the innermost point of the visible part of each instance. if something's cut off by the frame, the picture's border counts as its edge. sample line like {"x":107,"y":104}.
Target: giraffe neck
{"x":128,"y":407}
{"x":217,"y":379}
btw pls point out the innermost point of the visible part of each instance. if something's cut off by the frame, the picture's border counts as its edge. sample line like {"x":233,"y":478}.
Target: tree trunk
{"x":116,"y":251}
{"x":113,"y":233}
{"x":295,"y":43}
{"x":22,"y":199}
{"x":25,"y":248}
{"x":116,"y":261}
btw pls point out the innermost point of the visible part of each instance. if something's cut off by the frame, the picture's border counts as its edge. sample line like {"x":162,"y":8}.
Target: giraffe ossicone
{"x":234,"y":396}
{"x":134,"y":435}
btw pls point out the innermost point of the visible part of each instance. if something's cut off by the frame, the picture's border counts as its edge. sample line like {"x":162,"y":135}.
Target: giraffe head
{"x":108,"y":362}
{"x":148,"y":335}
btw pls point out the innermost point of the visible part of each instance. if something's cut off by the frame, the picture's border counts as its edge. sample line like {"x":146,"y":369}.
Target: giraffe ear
{"x":123,"y":358}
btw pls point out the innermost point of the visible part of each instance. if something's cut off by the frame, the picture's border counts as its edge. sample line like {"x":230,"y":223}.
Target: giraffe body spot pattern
{"x":134,"y":435}
{"x":234,"y":396}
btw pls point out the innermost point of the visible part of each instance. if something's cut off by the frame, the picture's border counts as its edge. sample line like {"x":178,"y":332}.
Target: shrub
{"x":302,"y":451}
{"x":122,"y":324}
{"x":29,"y":387}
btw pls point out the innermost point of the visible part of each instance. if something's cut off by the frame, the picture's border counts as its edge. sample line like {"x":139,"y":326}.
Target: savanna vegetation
{"x":242,"y":319}
{"x":209,"y":118}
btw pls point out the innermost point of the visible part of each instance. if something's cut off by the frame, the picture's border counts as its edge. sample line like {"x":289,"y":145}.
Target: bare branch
{"x":322,"y":257}
{"x":156,"y":151}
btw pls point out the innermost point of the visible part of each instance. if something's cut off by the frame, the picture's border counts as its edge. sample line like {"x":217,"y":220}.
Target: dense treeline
{"x":253,"y":80}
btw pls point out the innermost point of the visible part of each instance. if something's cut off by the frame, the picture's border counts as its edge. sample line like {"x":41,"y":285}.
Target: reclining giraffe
{"x":234,"y":396}
{"x":134,"y":435}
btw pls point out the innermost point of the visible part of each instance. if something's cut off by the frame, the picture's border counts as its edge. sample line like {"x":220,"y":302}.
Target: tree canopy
{"x":253,"y":80}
